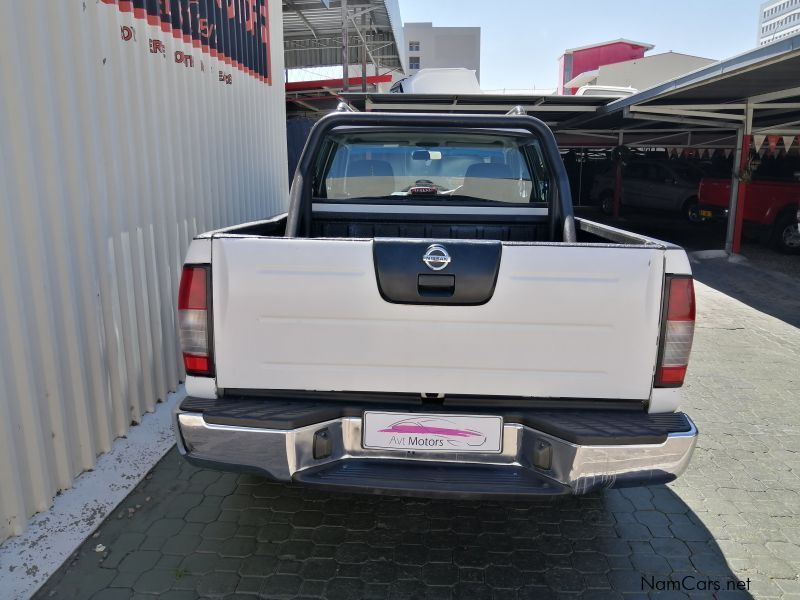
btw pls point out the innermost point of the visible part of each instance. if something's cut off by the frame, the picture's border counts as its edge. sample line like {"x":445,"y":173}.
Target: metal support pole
{"x":618,"y":180}
{"x":733,"y":242}
{"x":738,"y":216}
{"x":364,"y":56}
{"x":345,"y":49}
{"x":580,"y":176}
{"x":734,"y":200}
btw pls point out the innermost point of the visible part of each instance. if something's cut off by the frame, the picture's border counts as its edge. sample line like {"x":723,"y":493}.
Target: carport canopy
{"x":316,"y":33}
{"x":553,"y":110}
{"x":723,"y":105}
{"x":726,"y":104}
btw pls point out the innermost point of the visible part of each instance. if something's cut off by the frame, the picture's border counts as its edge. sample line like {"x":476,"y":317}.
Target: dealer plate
{"x":432,"y":432}
{"x":706,"y":213}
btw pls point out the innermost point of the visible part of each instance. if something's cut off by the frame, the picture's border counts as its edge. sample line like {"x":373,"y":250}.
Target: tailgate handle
{"x":436,"y":285}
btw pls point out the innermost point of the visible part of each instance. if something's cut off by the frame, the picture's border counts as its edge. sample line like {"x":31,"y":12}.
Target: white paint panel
{"x":665,"y":400}
{"x":564,"y":321}
{"x":111,"y":159}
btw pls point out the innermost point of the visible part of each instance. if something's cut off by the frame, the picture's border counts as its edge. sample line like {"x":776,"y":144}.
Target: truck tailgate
{"x":563,"y":321}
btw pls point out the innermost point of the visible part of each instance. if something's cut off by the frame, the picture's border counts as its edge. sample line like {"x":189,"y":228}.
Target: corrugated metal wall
{"x":114,"y":152}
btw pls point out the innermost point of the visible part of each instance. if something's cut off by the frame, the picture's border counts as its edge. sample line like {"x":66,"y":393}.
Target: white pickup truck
{"x":430,"y":319}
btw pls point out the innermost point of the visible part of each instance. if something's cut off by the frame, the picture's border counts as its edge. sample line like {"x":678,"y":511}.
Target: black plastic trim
{"x":474,"y":268}
{"x":579,"y":426}
{"x":423,"y":217}
{"x":276,"y":413}
{"x":428,"y":480}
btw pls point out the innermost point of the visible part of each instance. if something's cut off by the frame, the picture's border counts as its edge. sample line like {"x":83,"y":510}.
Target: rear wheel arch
{"x":788,"y":209}
{"x":607,"y":201}
{"x":690,"y":209}
{"x":786,"y":230}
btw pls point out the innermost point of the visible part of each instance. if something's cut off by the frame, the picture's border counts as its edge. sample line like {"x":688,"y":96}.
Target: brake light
{"x":678,"y":332}
{"x":193,"y":320}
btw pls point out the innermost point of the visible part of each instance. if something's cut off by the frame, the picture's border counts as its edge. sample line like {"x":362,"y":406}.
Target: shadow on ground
{"x":193,"y":533}
{"x":767,"y":280}
{"x":768,"y":291}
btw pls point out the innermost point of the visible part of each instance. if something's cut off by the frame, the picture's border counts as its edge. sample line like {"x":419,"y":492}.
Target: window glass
{"x":687,"y":172}
{"x":429,"y":166}
{"x":657,"y":173}
{"x":413,"y":62}
{"x":635,"y":171}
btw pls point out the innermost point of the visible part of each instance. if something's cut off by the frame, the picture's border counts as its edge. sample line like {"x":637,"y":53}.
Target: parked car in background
{"x":771,"y":209}
{"x":653,"y":184}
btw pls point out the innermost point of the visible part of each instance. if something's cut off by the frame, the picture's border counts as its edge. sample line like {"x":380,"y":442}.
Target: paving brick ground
{"x":734,"y":516}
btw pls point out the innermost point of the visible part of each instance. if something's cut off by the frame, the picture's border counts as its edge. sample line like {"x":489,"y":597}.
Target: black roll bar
{"x":562,"y":224}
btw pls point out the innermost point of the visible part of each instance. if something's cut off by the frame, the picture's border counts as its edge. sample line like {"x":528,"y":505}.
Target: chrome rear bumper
{"x":288,"y":455}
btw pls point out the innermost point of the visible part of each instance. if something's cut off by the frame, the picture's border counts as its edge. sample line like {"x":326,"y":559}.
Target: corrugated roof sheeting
{"x":112,"y":157}
{"x":328,"y":51}
{"x":547,"y":107}
{"x":313,"y":33}
{"x":393,"y":11}
{"x":653,"y":138}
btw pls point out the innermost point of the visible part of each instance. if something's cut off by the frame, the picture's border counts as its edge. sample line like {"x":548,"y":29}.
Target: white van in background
{"x":439,"y":81}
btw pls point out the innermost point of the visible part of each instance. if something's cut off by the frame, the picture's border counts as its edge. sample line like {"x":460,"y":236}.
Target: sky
{"x":521,"y":40}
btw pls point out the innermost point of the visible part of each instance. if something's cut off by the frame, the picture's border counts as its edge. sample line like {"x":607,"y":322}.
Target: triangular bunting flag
{"x":758,"y":140}
{"x":772,"y":143}
{"x":788,"y":140}
{"x":727,"y":152}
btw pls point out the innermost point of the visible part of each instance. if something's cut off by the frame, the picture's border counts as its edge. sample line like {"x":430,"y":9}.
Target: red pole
{"x":742,"y":196}
{"x":617,"y":188}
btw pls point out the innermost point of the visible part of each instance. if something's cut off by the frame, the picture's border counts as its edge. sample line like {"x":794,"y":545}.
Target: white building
{"x":641,"y":73}
{"x":442,"y":47}
{"x":778,"y":19}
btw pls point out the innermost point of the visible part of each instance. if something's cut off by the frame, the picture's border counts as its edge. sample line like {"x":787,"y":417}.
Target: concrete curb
{"x":28,"y":560}
{"x":706,"y":254}
{"x":699,"y":255}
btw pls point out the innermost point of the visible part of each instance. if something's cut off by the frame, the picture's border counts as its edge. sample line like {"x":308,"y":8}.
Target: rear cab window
{"x":458,"y":168}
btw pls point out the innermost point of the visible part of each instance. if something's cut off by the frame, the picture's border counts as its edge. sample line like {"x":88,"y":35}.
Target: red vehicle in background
{"x":771,"y":208}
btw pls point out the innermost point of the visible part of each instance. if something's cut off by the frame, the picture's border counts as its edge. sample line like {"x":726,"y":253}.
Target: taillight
{"x":193,"y":320}
{"x":678,"y":331}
